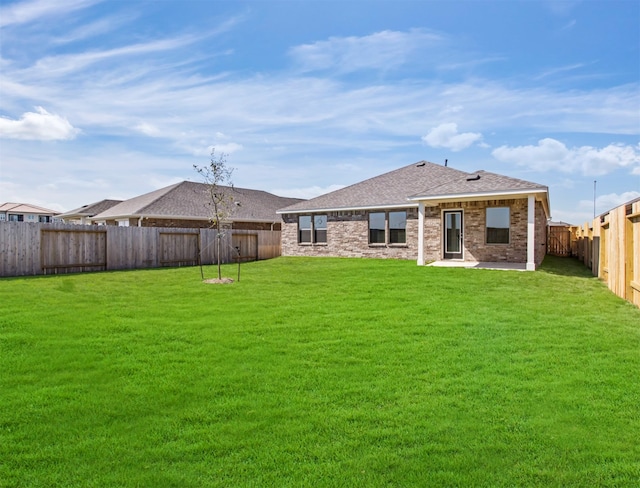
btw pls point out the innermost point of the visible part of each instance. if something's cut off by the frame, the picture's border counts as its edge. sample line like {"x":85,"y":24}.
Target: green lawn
{"x":319,"y":372}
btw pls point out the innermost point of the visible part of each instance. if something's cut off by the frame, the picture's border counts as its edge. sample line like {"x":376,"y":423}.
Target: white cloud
{"x":381,"y":50}
{"x":551,"y":154}
{"x":447,"y":136}
{"x":40,"y":125}
{"x":609,"y":201}
{"x":148,"y":129}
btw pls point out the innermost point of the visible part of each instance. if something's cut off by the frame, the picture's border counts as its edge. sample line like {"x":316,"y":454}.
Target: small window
{"x":498,"y":225}
{"x":397,"y":227}
{"x":304,"y":229}
{"x":16,"y":218}
{"x":376,"y":228}
{"x":320,"y":228}
{"x":123,"y":223}
{"x":2,"y":216}
{"x":44,"y":218}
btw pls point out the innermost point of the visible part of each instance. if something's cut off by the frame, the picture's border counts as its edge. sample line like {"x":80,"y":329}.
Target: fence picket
{"x":47,"y":248}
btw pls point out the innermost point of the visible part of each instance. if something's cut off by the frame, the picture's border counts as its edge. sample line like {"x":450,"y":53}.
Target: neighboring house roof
{"x":25,"y":208}
{"x":90,"y":210}
{"x":560,"y":224}
{"x":422,"y":181}
{"x":190,"y":200}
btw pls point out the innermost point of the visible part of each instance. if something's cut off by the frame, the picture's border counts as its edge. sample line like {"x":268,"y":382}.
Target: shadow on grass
{"x":565,"y":267}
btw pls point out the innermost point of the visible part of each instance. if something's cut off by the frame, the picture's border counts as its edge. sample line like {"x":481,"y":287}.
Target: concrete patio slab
{"x":450,"y":263}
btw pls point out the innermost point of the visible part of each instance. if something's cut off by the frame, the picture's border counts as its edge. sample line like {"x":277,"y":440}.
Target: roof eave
{"x":346,"y":209}
{"x":176,"y":217}
{"x":477,"y":195}
{"x":542,"y":195}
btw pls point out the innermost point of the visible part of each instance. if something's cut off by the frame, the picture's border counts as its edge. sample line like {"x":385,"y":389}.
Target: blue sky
{"x":112,"y":99}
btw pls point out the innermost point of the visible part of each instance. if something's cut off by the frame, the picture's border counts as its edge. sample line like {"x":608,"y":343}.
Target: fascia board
{"x":477,"y":196}
{"x":348,"y":209}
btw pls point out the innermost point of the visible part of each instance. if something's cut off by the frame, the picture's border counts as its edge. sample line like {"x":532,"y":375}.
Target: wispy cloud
{"x":551,"y":154}
{"x":561,"y":69}
{"x":30,"y":11}
{"x":68,"y":63}
{"x":381,"y":50}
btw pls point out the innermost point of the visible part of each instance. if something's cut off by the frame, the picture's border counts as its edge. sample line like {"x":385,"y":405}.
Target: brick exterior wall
{"x":348,"y":234}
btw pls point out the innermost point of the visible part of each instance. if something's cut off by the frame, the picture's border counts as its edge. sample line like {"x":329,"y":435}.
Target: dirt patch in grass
{"x":221,"y":281}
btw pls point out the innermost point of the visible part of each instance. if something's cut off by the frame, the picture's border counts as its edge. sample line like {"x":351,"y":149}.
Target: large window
{"x":320,"y":228}
{"x":304,"y":229}
{"x":315,"y":227}
{"x":497,"y":225}
{"x":16,"y":218}
{"x":377,"y":228}
{"x":397,"y":227}
{"x":388,"y":228}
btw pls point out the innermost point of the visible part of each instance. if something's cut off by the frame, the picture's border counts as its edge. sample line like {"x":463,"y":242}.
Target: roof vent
{"x":420,"y":164}
{"x":473,"y":177}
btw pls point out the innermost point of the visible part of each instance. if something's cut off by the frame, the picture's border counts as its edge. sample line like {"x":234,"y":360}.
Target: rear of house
{"x":425,"y":212}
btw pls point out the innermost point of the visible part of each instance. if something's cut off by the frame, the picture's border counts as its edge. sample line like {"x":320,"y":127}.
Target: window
{"x":44,"y":218}
{"x":397,"y":227}
{"x":377,"y":228}
{"x":2,"y":216}
{"x":16,"y":218}
{"x":497,"y":225}
{"x":123,"y":223}
{"x":388,"y":228}
{"x":320,"y":228}
{"x":304,"y":229}
{"x":312,"y":229}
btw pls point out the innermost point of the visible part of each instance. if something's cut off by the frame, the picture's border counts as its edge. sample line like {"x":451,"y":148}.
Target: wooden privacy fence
{"x":610,"y":247}
{"x":34,"y":248}
{"x":559,"y":241}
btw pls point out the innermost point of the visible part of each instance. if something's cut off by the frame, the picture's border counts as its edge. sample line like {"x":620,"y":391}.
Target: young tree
{"x":217,"y":177}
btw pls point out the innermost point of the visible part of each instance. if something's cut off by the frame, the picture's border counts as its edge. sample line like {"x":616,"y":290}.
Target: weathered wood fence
{"x":559,"y":241}
{"x":34,"y":248}
{"x":610,"y":247}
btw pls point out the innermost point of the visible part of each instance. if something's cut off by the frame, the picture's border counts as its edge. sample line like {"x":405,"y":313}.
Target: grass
{"x":319,"y":372}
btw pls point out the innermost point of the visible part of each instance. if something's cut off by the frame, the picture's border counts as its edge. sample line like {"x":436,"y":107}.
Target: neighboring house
{"x":187,"y":205}
{"x":425,"y":212}
{"x":25,"y":212}
{"x":83,"y":214}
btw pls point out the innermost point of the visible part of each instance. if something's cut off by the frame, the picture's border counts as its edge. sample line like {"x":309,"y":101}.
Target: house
{"x":25,"y":212}
{"x":187,"y":205}
{"x":83,"y":214}
{"x":425,"y":212}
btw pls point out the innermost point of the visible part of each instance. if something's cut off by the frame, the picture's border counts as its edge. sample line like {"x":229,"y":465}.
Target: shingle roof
{"x":480,"y":182}
{"x":418,"y":181}
{"x":25,"y":208}
{"x":190,"y":200}
{"x":389,"y":189}
{"x":91,"y":209}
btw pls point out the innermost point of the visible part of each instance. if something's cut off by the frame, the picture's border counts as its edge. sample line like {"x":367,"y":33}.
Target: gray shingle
{"x":389,"y":189}
{"x":190,"y":200}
